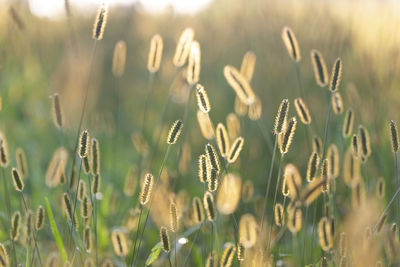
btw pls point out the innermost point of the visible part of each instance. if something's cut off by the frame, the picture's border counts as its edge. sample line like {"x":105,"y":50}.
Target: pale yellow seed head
{"x":183,"y":47}
{"x":155,"y":53}
{"x":119,"y":59}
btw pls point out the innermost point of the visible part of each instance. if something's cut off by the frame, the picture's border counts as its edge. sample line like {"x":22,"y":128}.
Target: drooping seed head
{"x":325,"y":234}
{"x":17,"y":180}
{"x":212,"y":157}
{"x":155,"y":53}
{"x":233,"y":125}
{"x":22,"y":164}
{"x":96,"y":184}
{"x":290,"y":42}
{"x":82,"y":190}
{"x":183,"y":47}
{"x":194,"y":64}
{"x":227,"y":255}
{"x":84,"y":143}
{"x":87,"y":239}
{"x":302,"y":111}
{"x":119,"y":243}
{"x":293,"y":181}
{"x":174,"y":132}
{"x":205,"y":124}
{"x":209,"y":206}
{"x":222,"y":139}
{"x":15,"y":226}
{"x":294,"y":219}
{"x":337,"y":103}
{"x":365,"y":143}
{"x":348,"y":123}
{"x":288,"y":135}
{"x":119,"y":59}
{"x":4,"y":260}
{"x":173,"y":213}
{"x":39,"y":218}
{"x":312,"y":167}
{"x":202,"y":99}
{"x":203,"y":168}
{"x":87,"y":164}
{"x":285,"y":188}
{"x":100,"y":22}
{"x":4,"y":156}
{"x":336,"y":75}
{"x":320,"y":71}
{"x":235,"y":149}
{"x":146,"y":189}
{"x":394,"y":136}
{"x":239,"y":84}
{"x":57,"y":111}
{"x":248,"y":230}
{"x":95,"y":156}
{"x":281,"y":117}
{"x":248,"y":64}
{"x":164,"y":237}
{"x":69,"y":210}
{"x":333,"y":157}
{"x":198,"y":211}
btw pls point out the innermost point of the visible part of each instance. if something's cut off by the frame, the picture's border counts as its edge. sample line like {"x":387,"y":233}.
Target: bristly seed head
{"x":320,"y":71}
{"x":164,"y":236}
{"x":174,"y":132}
{"x":155,"y":53}
{"x":336,"y":75}
{"x":17,"y":180}
{"x":281,"y":117}
{"x":202,"y":99}
{"x":290,"y":41}
{"x":100,"y":22}
{"x":84,"y":142}
{"x":146,"y":189}
{"x":394,"y":134}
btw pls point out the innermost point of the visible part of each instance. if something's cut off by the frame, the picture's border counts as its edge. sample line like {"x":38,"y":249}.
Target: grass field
{"x":105,"y":162}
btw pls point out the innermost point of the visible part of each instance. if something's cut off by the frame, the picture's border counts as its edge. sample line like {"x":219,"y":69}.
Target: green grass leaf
{"x":55,"y":232}
{"x":155,"y":252}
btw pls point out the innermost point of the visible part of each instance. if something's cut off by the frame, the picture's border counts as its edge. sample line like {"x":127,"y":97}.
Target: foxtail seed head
{"x":336,"y":75}
{"x":194,"y":64}
{"x":84,"y":142}
{"x":198,"y":211}
{"x":312,"y":167}
{"x":281,"y":117}
{"x":100,"y":22}
{"x":222,"y":140}
{"x":119,"y":59}
{"x":4,"y":156}
{"x":146,"y":189}
{"x":209,"y":206}
{"x":235,"y":149}
{"x":348,"y":123}
{"x":394,"y":134}
{"x":202,"y":99}
{"x":227,"y":255}
{"x":173,"y":213}
{"x":39,"y":218}
{"x":95,"y":156}
{"x":183,"y":47}
{"x":320,"y":71}
{"x":17,"y":180}
{"x":302,"y":111}
{"x":337,"y":103}
{"x":288,"y":135}
{"x":212,"y":157}
{"x":325,"y":234}
{"x":57,"y":113}
{"x":174,"y":132}
{"x":205,"y":124}
{"x":255,"y":109}
{"x":22,"y":164}
{"x":15,"y":226}
{"x":247,"y":67}
{"x":279,"y":216}
{"x":119,"y":243}
{"x":155,"y":53}
{"x":239,"y":84}
{"x":203,"y":168}
{"x":164,"y":236}
{"x":290,"y":41}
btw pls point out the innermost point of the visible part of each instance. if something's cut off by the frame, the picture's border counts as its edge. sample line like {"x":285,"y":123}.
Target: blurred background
{"x":46,"y":47}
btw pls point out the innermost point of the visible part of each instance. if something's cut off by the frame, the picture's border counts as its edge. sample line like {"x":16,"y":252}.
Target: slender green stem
{"x":191,"y":247}
{"x":276,"y":193}
{"x":33,"y":235}
{"x":151,"y":200}
{"x":137,"y":234}
{"x":8,"y":208}
{"x":328,"y":116}
{"x":271,"y":167}
{"x":169,"y":260}
{"x":398,"y":180}
{"x":304,"y":236}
